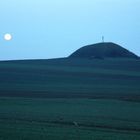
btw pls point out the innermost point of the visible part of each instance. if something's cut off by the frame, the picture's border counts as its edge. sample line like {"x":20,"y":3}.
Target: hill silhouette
{"x":103,"y":50}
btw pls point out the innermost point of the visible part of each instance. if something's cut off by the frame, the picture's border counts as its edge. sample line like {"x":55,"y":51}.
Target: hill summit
{"x":103,"y":50}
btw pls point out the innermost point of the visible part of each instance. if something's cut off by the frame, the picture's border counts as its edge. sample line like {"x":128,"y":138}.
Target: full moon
{"x":7,"y":37}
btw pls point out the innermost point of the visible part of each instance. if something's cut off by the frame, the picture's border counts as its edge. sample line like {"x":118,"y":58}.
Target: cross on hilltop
{"x":103,"y":39}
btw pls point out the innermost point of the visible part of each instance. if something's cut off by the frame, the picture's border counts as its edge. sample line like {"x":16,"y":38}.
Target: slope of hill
{"x":71,"y":78}
{"x":102,"y":50}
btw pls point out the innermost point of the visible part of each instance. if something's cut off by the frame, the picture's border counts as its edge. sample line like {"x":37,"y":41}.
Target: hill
{"x":72,"y":98}
{"x":103,"y":50}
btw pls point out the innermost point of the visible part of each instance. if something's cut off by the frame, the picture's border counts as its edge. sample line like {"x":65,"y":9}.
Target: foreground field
{"x":68,"y":119}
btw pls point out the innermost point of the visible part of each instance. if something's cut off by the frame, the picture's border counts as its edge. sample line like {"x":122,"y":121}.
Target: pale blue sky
{"x":56,"y":28}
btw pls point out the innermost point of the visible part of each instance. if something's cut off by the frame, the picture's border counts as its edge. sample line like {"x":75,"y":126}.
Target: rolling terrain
{"x":91,"y":97}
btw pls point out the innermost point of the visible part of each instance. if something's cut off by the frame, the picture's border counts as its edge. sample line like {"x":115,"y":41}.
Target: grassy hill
{"x":103,"y":50}
{"x":70,"y":99}
{"x":71,"y":78}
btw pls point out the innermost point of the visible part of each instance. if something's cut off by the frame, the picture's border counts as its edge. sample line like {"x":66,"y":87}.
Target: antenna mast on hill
{"x":103,"y":39}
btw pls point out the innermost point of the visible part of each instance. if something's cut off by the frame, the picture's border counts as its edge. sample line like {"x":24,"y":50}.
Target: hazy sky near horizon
{"x":55,"y":28}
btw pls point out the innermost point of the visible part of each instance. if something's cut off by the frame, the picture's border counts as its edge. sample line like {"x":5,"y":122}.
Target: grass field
{"x":71,"y":119}
{"x":68,"y":78}
{"x":70,"y":99}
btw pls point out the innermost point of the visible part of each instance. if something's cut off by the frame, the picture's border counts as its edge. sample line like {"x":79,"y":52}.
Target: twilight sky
{"x":56,"y":28}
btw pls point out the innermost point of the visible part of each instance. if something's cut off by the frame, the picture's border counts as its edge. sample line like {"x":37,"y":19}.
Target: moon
{"x":7,"y":37}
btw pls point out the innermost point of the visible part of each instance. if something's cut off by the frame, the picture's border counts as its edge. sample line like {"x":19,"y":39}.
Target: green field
{"x":70,"y":99}
{"x":71,"y":78}
{"x":71,"y":119}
